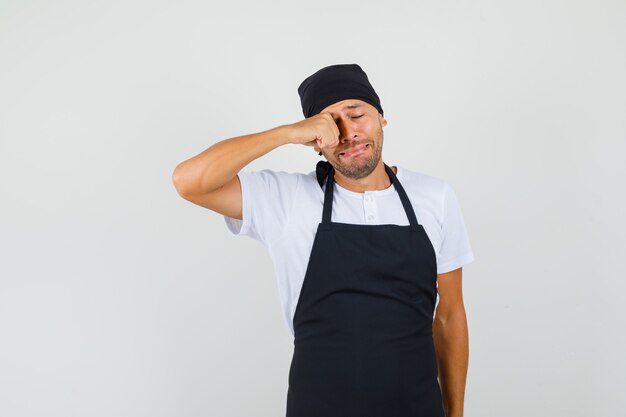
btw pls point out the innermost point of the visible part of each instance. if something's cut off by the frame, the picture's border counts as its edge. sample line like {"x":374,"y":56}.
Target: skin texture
{"x":361,"y":126}
{"x":210,"y":180}
{"x":357,"y":126}
{"x":450,"y":335}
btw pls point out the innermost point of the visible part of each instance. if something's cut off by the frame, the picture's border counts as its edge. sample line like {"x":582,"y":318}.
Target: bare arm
{"x":451,"y":341}
{"x":210,"y":179}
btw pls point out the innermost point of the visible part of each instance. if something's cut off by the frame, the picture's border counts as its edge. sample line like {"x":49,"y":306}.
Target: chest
{"x":365,"y":209}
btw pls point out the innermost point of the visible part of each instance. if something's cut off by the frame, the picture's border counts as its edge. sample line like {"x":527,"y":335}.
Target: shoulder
{"x":421,"y":184}
{"x":431,"y":193}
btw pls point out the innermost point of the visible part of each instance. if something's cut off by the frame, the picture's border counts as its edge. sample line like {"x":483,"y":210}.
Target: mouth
{"x":354,"y":151}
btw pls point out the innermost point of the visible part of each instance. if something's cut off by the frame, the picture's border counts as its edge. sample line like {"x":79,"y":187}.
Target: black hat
{"x":336,"y":83}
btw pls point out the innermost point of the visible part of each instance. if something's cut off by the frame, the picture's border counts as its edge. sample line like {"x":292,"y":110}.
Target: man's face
{"x":360,"y":138}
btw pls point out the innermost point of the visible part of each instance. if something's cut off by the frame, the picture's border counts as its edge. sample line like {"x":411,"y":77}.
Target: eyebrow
{"x":351,"y":106}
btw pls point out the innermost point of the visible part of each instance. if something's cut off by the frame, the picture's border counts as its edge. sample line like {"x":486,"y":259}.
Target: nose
{"x":347,"y":132}
{"x":348,"y":138}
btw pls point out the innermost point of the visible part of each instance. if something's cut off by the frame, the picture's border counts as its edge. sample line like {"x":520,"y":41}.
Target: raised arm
{"x":210,"y":179}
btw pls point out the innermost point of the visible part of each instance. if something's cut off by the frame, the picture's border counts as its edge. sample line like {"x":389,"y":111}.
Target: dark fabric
{"x":321,"y":171}
{"x":363,"y":343}
{"x":336,"y":83}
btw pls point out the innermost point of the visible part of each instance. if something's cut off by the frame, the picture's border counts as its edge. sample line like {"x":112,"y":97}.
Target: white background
{"x":119,"y":298}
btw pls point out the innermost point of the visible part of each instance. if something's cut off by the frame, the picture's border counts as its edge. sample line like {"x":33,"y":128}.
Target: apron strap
{"x":328,"y":196}
{"x":325,"y":171}
{"x":406,"y":203}
{"x":321,"y":172}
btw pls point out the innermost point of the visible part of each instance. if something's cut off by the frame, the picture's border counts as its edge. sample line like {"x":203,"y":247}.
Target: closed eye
{"x":356,"y":117}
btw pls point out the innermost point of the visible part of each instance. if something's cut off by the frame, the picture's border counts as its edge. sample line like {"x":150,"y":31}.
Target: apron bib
{"x":363,"y":343}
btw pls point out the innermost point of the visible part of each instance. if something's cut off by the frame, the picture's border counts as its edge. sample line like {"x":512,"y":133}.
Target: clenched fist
{"x":319,"y":131}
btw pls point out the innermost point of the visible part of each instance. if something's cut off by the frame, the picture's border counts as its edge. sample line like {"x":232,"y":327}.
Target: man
{"x":361,"y":250}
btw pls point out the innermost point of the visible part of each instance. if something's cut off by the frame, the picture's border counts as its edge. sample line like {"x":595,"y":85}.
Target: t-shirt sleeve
{"x":267,"y":199}
{"x":456,"y":250}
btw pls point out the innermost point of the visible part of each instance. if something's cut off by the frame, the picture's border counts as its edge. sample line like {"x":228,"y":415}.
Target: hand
{"x":319,"y":131}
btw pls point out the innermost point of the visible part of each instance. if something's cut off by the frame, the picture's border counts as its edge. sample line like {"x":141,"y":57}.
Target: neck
{"x":376,"y":180}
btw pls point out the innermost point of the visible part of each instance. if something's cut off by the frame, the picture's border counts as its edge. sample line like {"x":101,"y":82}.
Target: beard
{"x":360,"y":166}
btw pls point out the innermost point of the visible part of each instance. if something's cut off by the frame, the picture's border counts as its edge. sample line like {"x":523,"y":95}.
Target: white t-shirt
{"x":282,"y":211}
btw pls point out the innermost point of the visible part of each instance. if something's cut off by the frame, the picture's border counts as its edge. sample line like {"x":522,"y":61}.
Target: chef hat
{"x":336,"y":83}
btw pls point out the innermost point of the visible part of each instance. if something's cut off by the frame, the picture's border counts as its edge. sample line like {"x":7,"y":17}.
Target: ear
{"x":383,"y":121}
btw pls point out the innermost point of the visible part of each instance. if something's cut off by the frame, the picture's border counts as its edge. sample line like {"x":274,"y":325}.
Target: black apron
{"x":363,"y":343}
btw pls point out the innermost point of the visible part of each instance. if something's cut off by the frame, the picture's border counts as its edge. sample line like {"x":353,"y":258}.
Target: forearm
{"x":219,"y":163}
{"x":452,"y":346}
